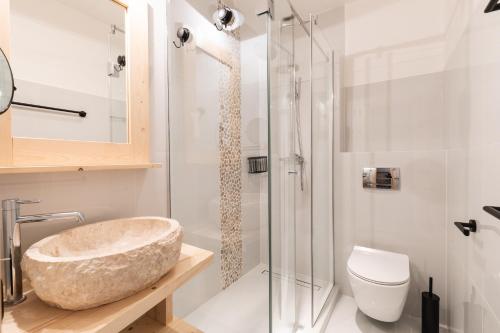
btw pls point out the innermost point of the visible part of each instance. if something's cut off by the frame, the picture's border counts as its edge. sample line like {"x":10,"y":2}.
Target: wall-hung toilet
{"x":380,"y":281}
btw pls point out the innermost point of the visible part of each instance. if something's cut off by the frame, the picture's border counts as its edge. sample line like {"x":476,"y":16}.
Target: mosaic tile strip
{"x":230,"y":166}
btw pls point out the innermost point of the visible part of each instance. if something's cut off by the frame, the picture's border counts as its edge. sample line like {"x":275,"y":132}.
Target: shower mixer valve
{"x":299,"y":159}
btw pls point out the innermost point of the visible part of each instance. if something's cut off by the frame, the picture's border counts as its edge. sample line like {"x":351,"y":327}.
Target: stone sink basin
{"x":99,"y":263}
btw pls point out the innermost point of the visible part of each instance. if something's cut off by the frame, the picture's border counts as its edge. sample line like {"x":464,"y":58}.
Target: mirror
{"x":69,"y":62}
{"x":6,"y":83}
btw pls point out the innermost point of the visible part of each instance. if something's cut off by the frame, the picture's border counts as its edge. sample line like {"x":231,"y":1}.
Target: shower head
{"x":115,"y":69}
{"x":121,"y":61}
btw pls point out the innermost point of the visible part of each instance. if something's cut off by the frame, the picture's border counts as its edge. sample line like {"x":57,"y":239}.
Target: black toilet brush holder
{"x":430,"y":311}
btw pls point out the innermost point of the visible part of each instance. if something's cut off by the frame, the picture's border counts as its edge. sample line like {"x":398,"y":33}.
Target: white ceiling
{"x":107,"y":11}
{"x":306,"y":7}
{"x":254,"y":25}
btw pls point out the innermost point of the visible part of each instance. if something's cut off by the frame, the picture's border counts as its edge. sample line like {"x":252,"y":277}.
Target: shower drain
{"x":299,"y":282}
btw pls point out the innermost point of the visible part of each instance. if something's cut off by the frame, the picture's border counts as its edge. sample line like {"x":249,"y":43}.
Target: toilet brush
{"x":430,"y":311}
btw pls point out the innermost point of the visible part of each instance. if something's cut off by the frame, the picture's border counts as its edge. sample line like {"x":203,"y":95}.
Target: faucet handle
{"x":11,"y":204}
{"x":27,"y":202}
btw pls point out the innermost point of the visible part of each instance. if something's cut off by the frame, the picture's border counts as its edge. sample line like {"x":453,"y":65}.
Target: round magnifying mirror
{"x":6,"y":83}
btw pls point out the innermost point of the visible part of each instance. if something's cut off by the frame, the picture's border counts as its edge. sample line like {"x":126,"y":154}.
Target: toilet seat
{"x":379,"y":267}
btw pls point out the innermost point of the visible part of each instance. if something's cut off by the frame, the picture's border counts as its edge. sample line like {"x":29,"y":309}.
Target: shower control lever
{"x":467,"y":228}
{"x":300,"y":161}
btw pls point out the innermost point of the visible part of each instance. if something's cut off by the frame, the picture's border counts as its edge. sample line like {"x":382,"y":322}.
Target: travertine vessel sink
{"x":104,"y":262}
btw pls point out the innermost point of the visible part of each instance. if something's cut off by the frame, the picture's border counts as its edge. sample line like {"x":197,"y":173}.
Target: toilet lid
{"x":379,"y":266}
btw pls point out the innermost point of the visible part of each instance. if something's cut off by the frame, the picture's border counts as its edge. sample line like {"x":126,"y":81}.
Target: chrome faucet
{"x":10,"y":250}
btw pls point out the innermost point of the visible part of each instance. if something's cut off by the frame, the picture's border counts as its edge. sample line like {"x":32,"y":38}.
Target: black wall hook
{"x":218,"y":27}
{"x":183,"y":34}
{"x":467,"y":228}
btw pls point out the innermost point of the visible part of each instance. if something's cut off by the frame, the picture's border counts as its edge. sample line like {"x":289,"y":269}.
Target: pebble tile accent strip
{"x":230,"y":166}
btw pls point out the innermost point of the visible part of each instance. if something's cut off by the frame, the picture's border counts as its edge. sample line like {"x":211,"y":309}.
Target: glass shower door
{"x":282,"y":180}
{"x":322,"y":152}
{"x":301,"y":170}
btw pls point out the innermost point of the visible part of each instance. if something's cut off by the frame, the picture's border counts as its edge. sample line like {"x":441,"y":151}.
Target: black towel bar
{"x":495,"y":211}
{"x":82,"y":114}
{"x":492,"y":6}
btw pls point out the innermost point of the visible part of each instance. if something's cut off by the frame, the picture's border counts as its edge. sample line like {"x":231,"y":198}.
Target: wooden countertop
{"x":35,"y":316}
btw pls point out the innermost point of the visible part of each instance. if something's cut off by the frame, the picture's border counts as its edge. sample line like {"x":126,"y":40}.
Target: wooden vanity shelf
{"x":76,"y":168}
{"x":149,"y":311}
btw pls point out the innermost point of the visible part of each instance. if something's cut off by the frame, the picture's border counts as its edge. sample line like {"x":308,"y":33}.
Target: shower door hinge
{"x":269,"y":10}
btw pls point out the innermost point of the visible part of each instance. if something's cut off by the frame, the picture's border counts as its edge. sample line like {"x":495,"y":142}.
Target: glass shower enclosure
{"x":262,"y":90}
{"x":300,"y":83}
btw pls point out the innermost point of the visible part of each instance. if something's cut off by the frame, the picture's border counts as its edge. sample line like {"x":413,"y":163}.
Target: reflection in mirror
{"x":69,"y":54}
{"x":6,"y":83}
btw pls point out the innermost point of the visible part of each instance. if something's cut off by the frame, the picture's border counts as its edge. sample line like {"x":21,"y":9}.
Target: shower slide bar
{"x":82,"y":114}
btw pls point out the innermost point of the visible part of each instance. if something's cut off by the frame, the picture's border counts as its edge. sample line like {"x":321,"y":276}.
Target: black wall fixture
{"x":257,"y":164}
{"x":495,"y":211}
{"x":184,"y":35}
{"x":492,"y":6}
{"x":82,"y":114}
{"x":430,"y":310}
{"x":467,"y":228}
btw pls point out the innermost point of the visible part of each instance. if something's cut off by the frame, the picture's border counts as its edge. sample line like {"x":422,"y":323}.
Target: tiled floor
{"x":243,"y":308}
{"x":346,"y":318}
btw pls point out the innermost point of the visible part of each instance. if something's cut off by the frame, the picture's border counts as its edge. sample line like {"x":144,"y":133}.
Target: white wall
{"x":393,"y":74}
{"x":106,"y":194}
{"x":393,"y":39}
{"x":471,"y":86}
{"x":254,"y":143}
{"x":421,"y":81}
{"x":394,"y":117}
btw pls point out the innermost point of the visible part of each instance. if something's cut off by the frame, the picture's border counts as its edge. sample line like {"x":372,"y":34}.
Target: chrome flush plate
{"x":381,"y":178}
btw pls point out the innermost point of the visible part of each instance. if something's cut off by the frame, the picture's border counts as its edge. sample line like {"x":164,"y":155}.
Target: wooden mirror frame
{"x":22,"y":155}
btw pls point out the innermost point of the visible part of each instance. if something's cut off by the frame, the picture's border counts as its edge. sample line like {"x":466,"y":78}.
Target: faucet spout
{"x":79,"y":217}
{"x":10,"y":251}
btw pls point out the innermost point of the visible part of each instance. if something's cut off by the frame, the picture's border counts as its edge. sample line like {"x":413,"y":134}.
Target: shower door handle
{"x":292,"y":172}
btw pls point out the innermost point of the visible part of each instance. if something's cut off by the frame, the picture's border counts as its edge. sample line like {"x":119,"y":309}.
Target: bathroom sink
{"x":99,"y":263}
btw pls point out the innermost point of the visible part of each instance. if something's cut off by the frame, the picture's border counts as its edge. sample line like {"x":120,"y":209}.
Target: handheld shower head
{"x":115,"y":69}
{"x":121,"y":61}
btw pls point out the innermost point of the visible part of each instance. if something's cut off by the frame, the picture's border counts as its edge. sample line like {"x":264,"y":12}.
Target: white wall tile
{"x":409,"y":221}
